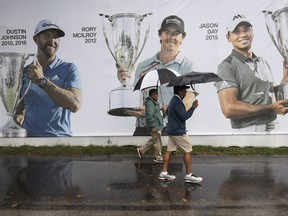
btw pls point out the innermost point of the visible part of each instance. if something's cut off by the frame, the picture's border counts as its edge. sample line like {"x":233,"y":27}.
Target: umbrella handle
{"x":161,"y":94}
{"x":163,"y":110}
{"x":159,"y":87}
{"x":193,"y":87}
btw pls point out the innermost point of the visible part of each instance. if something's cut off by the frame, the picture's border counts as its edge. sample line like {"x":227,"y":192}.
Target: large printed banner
{"x":85,"y":45}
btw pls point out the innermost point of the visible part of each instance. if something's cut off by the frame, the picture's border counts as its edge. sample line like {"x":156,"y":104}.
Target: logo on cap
{"x":238,"y":16}
{"x":49,"y":24}
{"x":173,"y":21}
{"x":236,"y":20}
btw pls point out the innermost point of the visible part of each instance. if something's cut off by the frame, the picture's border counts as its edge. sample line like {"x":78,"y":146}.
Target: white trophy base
{"x":123,"y":99}
{"x":11,"y":132}
{"x":11,"y":129}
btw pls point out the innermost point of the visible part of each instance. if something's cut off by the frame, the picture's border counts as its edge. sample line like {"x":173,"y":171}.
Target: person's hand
{"x":280,"y":107}
{"x":123,"y":75}
{"x":139,"y":112}
{"x":18,"y":119}
{"x":285,"y":72}
{"x":153,"y":130}
{"x":164,"y":108}
{"x":35,"y":71}
{"x":195,"y":104}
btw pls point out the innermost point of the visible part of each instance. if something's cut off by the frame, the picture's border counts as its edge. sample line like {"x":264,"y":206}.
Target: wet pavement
{"x":124,"y":185}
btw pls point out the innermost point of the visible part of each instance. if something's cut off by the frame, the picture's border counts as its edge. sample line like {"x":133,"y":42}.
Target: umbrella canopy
{"x":194,"y":78}
{"x":155,"y":78}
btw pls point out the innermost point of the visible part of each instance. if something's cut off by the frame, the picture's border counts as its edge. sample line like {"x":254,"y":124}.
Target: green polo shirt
{"x":254,"y":81}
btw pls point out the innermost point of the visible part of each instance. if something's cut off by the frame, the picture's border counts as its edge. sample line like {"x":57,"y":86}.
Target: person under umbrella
{"x":154,"y":122}
{"x":176,"y":130}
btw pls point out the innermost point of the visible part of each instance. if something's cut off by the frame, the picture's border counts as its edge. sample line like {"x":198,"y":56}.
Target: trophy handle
{"x":29,"y":84}
{"x":20,"y":99}
{"x":272,"y":29}
{"x":105,"y":34}
{"x":146,"y":35}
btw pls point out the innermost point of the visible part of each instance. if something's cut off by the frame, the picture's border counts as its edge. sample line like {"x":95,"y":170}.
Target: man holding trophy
{"x":246,"y":95}
{"x":55,"y":91}
{"x":171,"y":35}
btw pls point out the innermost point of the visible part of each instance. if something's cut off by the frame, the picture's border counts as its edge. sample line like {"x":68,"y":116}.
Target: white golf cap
{"x":48,"y":24}
{"x":236,"y":20}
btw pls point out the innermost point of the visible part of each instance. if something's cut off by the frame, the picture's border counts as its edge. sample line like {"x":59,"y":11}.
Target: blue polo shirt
{"x":43,"y":117}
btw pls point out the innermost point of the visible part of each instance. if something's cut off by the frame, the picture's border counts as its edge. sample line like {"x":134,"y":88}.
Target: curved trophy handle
{"x":105,"y":34}
{"x":146,"y":35}
{"x":28,"y":87}
{"x":273,"y":30}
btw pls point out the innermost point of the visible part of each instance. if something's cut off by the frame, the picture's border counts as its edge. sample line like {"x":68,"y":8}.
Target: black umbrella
{"x":194,"y":78}
{"x":155,"y":78}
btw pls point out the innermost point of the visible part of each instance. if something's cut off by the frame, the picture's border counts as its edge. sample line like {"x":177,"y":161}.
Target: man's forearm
{"x":70,"y":99}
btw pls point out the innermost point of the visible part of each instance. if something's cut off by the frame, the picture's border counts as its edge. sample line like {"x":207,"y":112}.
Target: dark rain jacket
{"x":153,"y":115}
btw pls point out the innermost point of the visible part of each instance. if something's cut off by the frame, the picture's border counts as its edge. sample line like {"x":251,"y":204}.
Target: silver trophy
{"x":277,"y":26}
{"x":11,"y":73}
{"x":125,"y":38}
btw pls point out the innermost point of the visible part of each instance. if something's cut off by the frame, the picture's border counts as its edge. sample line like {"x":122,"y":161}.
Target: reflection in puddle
{"x":60,"y":181}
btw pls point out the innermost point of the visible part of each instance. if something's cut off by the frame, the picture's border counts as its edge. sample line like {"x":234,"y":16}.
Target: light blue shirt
{"x":180,"y":64}
{"x":43,"y":117}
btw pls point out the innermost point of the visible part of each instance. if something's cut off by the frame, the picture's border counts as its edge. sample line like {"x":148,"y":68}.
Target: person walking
{"x":176,"y":130}
{"x":154,"y":122}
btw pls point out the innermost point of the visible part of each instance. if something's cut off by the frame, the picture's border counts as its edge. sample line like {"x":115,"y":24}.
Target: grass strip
{"x":64,"y":150}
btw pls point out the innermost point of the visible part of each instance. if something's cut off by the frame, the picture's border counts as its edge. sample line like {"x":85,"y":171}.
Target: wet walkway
{"x":123,"y":185}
